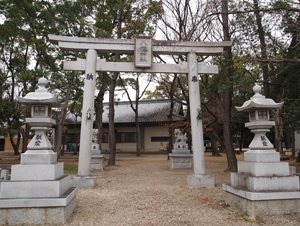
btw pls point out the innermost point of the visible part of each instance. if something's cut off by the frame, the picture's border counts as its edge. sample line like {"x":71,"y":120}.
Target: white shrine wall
{"x":150,"y":131}
{"x":155,"y":131}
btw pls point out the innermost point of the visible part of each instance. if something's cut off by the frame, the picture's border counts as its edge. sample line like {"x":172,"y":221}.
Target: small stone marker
{"x":4,"y":174}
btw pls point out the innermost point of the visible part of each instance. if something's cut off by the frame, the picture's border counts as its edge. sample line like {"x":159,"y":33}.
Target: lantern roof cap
{"x":40,"y":96}
{"x":259,"y":101}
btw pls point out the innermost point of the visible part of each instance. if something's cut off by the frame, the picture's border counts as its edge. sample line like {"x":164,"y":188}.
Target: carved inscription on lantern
{"x":38,"y":139}
{"x":264,"y":141}
{"x":143,"y":51}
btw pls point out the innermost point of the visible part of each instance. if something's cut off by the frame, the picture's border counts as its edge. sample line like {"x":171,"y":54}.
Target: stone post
{"x":83,"y":179}
{"x":199,"y":178}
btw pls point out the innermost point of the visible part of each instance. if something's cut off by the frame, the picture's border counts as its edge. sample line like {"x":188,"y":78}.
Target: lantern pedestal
{"x":38,"y":191}
{"x":262,"y":156}
{"x":264,"y":185}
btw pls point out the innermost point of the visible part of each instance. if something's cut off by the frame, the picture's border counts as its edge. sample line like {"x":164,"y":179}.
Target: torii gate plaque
{"x":93,"y":46}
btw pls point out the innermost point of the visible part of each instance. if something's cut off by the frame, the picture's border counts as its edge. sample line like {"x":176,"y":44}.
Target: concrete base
{"x":37,"y":172}
{"x":38,"y":211}
{"x":266,"y":169}
{"x":96,"y":152}
{"x":262,"y":156}
{"x":97,"y":162}
{"x":35,"y":189}
{"x":181,"y":161}
{"x":84,"y":181}
{"x":265,"y":183}
{"x":256,"y":204}
{"x":38,"y":157}
{"x":181,"y":151}
{"x":205,"y":180}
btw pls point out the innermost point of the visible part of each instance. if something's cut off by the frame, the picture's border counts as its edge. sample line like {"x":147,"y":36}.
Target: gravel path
{"x":145,"y":191}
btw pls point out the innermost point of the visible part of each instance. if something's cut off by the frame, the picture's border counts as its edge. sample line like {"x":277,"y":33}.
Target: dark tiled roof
{"x":150,"y":111}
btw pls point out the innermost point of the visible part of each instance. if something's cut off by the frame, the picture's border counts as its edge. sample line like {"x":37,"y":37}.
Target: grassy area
{"x":70,"y":170}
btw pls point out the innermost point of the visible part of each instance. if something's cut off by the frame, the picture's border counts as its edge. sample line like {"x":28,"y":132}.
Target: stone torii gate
{"x":143,"y":48}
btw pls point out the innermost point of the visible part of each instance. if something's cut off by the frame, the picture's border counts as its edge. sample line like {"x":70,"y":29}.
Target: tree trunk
{"x":15,"y":145}
{"x":231,"y":158}
{"x":112,"y":136}
{"x":170,"y":115}
{"x":293,"y":144}
{"x":287,"y":135}
{"x":25,"y":135}
{"x":62,"y":116}
{"x":99,"y":108}
{"x":189,"y":135}
{"x":278,"y":130}
{"x":298,"y":158}
{"x":62,"y":150}
{"x":76,"y":137}
{"x":137,"y":121}
{"x":137,"y":125}
{"x":111,"y":129}
{"x":263,"y":49}
{"x":214,"y":146}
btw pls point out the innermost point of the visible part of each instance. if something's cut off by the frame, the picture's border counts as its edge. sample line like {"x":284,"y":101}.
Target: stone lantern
{"x":263,"y":184}
{"x":258,"y":107}
{"x":38,"y":191}
{"x":39,"y":150}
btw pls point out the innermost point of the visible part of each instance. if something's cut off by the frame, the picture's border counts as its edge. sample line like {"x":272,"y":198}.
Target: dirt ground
{"x":145,"y":191}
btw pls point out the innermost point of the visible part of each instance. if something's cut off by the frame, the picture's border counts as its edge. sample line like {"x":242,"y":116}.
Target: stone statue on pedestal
{"x":180,"y":156}
{"x":180,"y":145}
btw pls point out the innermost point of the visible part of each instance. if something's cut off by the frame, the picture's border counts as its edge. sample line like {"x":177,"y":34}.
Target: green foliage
{"x":71,"y":170}
{"x":199,"y":114}
{"x":11,"y":118}
{"x":136,"y":16}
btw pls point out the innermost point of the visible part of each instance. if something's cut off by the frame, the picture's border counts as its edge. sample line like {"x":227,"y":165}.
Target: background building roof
{"x":150,"y":111}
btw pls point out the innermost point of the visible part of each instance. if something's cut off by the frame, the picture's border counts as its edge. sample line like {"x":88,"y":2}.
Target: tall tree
{"x":263,"y":48}
{"x":286,"y":67}
{"x":228,"y":71}
{"x":181,"y":21}
{"x":121,"y":19}
{"x":135,"y":84}
{"x":25,"y":54}
{"x":99,"y":106}
{"x":72,"y":18}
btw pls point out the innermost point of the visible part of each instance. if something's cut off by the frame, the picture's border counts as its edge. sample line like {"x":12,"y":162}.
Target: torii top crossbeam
{"x":126,"y":46}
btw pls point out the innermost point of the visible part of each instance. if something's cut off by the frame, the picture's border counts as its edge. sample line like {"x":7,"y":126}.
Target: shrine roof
{"x":150,"y":111}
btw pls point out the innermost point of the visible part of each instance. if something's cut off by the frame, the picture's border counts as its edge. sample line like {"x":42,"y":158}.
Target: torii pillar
{"x":84,"y":179}
{"x":199,"y":178}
